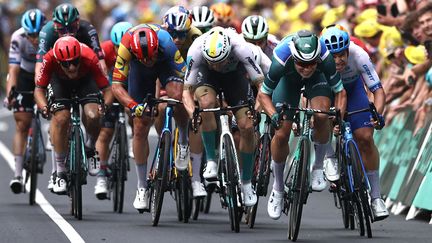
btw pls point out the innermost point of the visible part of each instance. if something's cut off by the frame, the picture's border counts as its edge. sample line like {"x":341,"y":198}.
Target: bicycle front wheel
{"x":161,"y":177}
{"x":34,"y":161}
{"x":233,"y":188}
{"x":122,"y":165}
{"x":361,"y":192}
{"x":299,"y":190}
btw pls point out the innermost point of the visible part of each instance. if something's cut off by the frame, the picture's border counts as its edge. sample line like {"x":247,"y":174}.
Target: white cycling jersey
{"x":360,"y":66}
{"x":240,"y":53}
{"x":260,"y":57}
{"x":22,"y":51}
{"x":272,"y":42}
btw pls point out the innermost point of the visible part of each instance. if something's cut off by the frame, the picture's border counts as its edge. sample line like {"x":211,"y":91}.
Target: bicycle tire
{"x":115,"y":171}
{"x":300,"y":191}
{"x":185,"y":195}
{"x":77,"y":171}
{"x":343,"y":188}
{"x":34,"y":161}
{"x":161,"y":177}
{"x":233,"y":192}
{"x":361,"y":192}
{"x":124,"y":159}
{"x":197,"y":207}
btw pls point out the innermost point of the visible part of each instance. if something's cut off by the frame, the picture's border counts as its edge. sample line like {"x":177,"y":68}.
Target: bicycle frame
{"x":76,"y":127}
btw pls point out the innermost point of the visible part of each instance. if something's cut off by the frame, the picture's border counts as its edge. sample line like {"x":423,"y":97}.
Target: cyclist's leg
{"x":91,"y":114}
{"x":141,"y":82}
{"x":205,"y":93}
{"x":287,"y":91}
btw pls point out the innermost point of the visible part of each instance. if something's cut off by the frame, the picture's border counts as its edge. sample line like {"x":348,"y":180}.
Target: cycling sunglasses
{"x":305,"y":64}
{"x":178,"y":34}
{"x":32,"y":35}
{"x":67,"y":64}
{"x":259,"y":42}
{"x":61,"y":30}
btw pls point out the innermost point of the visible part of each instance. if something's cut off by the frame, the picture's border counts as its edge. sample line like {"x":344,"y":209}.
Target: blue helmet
{"x":336,"y":38}
{"x":32,"y":21}
{"x":118,"y":30}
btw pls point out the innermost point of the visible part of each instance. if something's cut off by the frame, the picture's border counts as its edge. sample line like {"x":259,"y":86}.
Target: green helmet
{"x":305,"y":46}
{"x":65,"y":14}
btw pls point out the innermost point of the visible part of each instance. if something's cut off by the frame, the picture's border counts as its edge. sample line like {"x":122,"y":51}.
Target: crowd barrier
{"x":406,"y":164}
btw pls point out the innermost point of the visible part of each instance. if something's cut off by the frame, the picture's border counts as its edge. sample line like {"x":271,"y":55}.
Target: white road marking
{"x":67,"y":229}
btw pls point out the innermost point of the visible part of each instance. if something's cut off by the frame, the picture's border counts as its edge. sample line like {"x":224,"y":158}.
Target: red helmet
{"x":144,"y":44}
{"x":67,"y":48}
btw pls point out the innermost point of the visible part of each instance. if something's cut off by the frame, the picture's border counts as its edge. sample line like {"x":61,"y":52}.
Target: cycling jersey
{"x":88,"y":69}
{"x":193,"y":33}
{"x":283,"y":64}
{"x":260,"y":57}
{"x":168,"y":53}
{"x":22,"y":52}
{"x":272,"y":42}
{"x":108,"y":49}
{"x":240,"y":53}
{"x":360,"y":68}
{"x":86,"y":34}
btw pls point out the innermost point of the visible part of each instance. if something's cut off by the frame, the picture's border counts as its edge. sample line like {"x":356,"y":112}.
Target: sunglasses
{"x":32,"y":35}
{"x":305,"y":64}
{"x":61,"y":30}
{"x":67,"y":64}
{"x":259,"y":42}
{"x":178,"y":34}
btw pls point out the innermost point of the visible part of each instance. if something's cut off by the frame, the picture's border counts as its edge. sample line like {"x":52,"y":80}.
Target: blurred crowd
{"x":397,"y":33}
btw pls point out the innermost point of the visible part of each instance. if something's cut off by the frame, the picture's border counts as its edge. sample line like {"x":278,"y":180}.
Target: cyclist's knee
{"x":22,"y":126}
{"x":105,"y":135}
{"x":141,"y":127}
{"x":61,"y":118}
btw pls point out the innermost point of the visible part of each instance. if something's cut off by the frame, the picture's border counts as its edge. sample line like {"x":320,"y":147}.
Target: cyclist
{"x":22,"y":59}
{"x":147,"y":52}
{"x":255,"y":30}
{"x":224,"y":15}
{"x":109,"y":48}
{"x":356,"y":69}
{"x":299,"y":60}
{"x":177,"y":21}
{"x":66,"y":22}
{"x":70,"y":67}
{"x":203,"y":18}
{"x":220,"y":59}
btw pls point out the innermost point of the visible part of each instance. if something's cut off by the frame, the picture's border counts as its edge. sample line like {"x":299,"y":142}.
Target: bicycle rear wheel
{"x":78,"y":173}
{"x":160,"y":177}
{"x":299,"y":190}
{"x":122,"y":172}
{"x":34,"y":161}
{"x":360,"y":188}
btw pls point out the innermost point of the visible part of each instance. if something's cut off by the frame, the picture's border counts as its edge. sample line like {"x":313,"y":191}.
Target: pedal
{"x":141,"y":211}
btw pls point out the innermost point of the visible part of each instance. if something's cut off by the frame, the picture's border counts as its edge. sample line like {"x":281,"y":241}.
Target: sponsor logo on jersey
{"x":252,"y":63}
{"x":178,"y":58}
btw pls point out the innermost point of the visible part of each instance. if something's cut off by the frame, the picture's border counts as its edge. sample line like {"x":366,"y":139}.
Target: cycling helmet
{"x":202,"y":17}
{"x":32,"y":21}
{"x":118,"y":30}
{"x":144,"y":44}
{"x":305,"y":47}
{"x":255,"y":27}
{"x":67,"y":48}
{"x":177,"y":18}
{"x":336,"y":38}
{"x":222,"y":12}
{"x":65,"y":14}
{"x":217,"y":46}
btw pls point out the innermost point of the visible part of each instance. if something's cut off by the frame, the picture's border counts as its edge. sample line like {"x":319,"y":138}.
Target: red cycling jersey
{"x":88,"y":68}
{"x":110,"y":54}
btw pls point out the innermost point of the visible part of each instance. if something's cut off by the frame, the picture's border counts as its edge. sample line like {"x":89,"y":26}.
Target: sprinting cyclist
{"x":146,"y":53}
{"x":356,"y":69}
{"x":109,"y":48}
{"x":22,"y":59}
{"x":219,"y":59}
{"x":255,"y":30}
{"x":177,"y":21}
{"x":70,"y":67}
{"x":299,"y":60}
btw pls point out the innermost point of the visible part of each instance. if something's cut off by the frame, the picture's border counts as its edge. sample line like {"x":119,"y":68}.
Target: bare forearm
{"x":40,"y":99}
{"x":379,"y":100}
{"x":188,"y":101}
{"x":121,"y":94}
{"x":341,"y":101}
{"x":266,"y":103}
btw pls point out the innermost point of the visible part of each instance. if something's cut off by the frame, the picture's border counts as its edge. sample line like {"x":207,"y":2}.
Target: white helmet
{"x":255,"y":27}
{"x":217,"y":45}
{"x":202,"y":17}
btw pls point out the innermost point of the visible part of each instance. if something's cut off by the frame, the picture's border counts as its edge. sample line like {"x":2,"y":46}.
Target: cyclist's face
{"x":305,"y":70}
{"x":33,"y":38}
{"x":70,"y":68}
{"x":341,"y":60}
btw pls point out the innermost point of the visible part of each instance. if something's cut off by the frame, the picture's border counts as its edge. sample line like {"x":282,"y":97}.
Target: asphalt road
{"x":50,"y":219}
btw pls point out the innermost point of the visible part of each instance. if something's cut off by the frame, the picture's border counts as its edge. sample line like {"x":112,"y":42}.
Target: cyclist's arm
{"x":120,"y":76}
{"x":12,"y":77}
{"x":42,"y":79}
{"x":246,"y":56}
{"x":102,"y":82}
{"x":14,"y":60}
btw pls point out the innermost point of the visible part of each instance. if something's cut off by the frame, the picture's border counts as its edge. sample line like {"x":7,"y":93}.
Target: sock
{"x":247,"y":159}
{"x":196,"y":166}
{"x":374,"y":181}
{"x":103,"y":169}
{"x":278,"y":169}
{"x":60,"y":162}
{"x":53,"y":162}
{"x":141,"y":171}
{"x":320,"y":150}
{"x":209,"y":141}
{"x":183,"y":135}
{"x":330,"y":153}
{"x":18,"y":165}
